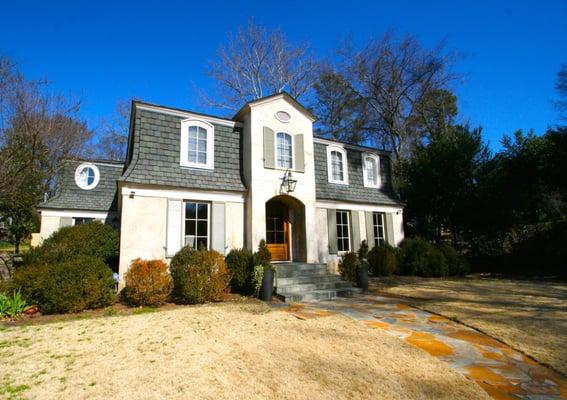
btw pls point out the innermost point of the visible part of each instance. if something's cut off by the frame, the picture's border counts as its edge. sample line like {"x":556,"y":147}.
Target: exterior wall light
{"x":288,"y":183}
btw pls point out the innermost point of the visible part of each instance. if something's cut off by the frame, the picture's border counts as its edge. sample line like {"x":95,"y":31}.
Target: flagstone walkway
{"x":501,"y":371}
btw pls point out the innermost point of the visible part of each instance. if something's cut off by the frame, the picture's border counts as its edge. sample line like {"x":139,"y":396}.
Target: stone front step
{"x":290,"y":270}
{"x":321,"y":294}
{"x":297,"y":280}
{"x":302,"y":282}
{"x":310,"y":287}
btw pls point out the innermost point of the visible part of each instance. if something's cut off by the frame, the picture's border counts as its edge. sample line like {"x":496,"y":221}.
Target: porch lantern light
{"x":288,"y":183}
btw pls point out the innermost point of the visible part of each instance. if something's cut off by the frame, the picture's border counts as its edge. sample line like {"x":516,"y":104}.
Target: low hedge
{"x":383,"y":260}
{"x":147,"y":283}
{"x":240,"y":263}
{"x":94,"y":239}
{"x":70,"y":286}
{"x":420,"y":257}
{"x":348,"y":266}
{"x":198,"y":276}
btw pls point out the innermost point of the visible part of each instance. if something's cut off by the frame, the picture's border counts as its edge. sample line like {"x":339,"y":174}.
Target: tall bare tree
{"x":391,"y":78}
{"x":113,"y":136}
{"x":38,"y":129}
{"x":258,"y":62}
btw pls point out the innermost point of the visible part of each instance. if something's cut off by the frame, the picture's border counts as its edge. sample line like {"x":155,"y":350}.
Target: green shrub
{"x":363,"y":250}
{"x":348,"y":266}
{"x":241,"y":266}
{"x":422,"y":258}
{"x":262,"y":255}
{"x":92,"y":240}
{"x":69,"y":286}
{"x":12,"y":306}
{"x":198,"y":276}
{"x":456,"y":264}
{"x":383,"y":260}
{"x":148,"y":283}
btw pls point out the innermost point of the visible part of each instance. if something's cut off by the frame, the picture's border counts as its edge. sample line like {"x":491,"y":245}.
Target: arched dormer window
{"x":284,"y":150}
{"x":337,"y":165}
{"x":197,"y":144}
{"x":371,"y":170}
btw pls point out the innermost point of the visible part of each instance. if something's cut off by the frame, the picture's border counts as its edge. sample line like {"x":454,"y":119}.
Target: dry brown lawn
{"x":220,"y":351}
{"x":530,"y":316}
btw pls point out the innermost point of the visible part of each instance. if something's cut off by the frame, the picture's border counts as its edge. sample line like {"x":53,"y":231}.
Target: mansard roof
{"x":69,"y":196}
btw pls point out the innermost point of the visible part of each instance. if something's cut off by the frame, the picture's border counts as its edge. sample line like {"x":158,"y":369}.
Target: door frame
{"x":287,"y":234}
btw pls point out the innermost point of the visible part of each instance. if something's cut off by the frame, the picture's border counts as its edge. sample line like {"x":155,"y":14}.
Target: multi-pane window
{"x":197,"y":145}
{"x":371,"y":171}
{"x":197,"y":224}
{"x":284,"y":150}
{"x":337,"y":171}
{"x":378,"y":224}
{"x":82,"y":221}
{"x":343,"y":230}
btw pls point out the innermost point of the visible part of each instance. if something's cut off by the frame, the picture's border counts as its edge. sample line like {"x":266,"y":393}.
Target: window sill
{"x":196,"y":166}
{"x":339,"y":183}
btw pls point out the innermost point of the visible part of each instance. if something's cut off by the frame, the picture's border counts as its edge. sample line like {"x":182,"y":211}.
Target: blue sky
{"x":158,"y":51}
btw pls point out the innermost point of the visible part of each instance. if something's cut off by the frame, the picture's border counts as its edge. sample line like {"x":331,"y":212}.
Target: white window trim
{"x":342,"y":252}
{"x":184,"y":147}
{"x":78,"y":180}
{"x":365,"y":171}
{"x":341,"y":150}
{"x":281,"y":120}
{"x":183,"y":220}
{"x":292,"y":151}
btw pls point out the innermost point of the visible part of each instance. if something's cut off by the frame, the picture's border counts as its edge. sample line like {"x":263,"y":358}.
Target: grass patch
{"x":12,"y":391}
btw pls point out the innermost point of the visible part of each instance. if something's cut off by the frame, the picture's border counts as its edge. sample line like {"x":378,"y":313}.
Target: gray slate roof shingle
{"x":71,"y":197}
{"x":156,"y":156}
{"x":355,"y":190}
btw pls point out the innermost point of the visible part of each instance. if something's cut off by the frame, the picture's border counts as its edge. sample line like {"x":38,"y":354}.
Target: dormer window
{"x":87,"y":176}
{"x":284,"y":150}
{"x":197,"y":144}
{"x":371,"y":170}
{"x":337,"y":165}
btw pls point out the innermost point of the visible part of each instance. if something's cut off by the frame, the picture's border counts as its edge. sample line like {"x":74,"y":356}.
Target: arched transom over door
{"x":278,"y":230}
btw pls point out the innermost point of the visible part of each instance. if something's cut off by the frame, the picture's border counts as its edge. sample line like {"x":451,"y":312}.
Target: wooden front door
{"x":277,"y":231}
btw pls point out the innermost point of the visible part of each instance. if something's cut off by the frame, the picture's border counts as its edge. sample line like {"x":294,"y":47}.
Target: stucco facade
{"x":194,"y":179}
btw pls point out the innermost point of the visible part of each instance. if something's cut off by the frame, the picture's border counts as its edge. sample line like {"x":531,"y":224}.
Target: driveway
{"x":501,"y":371}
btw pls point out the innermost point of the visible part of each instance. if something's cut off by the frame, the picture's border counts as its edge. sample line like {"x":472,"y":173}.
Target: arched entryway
{"x":285,"y":228}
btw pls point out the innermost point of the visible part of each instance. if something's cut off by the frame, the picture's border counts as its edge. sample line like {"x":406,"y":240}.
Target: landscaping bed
{"x":529,"y":315}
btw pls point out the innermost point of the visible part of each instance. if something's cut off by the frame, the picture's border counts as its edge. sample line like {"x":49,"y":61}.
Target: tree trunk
{"x":17,"y":247}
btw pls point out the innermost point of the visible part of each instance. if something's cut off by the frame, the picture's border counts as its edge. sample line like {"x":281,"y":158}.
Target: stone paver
{"x":501,"y":371}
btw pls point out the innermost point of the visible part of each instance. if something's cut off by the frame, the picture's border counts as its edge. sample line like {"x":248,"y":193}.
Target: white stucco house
{"x":195,"y":179}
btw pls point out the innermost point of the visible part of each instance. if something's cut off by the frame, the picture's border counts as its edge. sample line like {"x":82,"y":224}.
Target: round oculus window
{"x":87,"y":176}
{"x":283,"y":116}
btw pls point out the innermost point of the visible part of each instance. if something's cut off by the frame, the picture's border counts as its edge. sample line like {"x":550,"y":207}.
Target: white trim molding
{"x":187,"y":114}
{"x":74,"y":213}
{"x":359,"y":207}
{"x":184,"y":147}
{"x":341,"y":150}
{"x":183,"y":194}
{"x":376,"y":159}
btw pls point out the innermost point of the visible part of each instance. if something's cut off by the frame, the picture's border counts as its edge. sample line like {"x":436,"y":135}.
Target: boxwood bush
{"x":456,"y":263}
{"x":94,"y":239}
{"x":420,"y":257}
{"x":240,"y":264}
{"x":348,"y":266}
{"x":70,"y":286}
{"x":147,"y":283}
{"x":198,"y":276}
{"x":383,"y":260}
